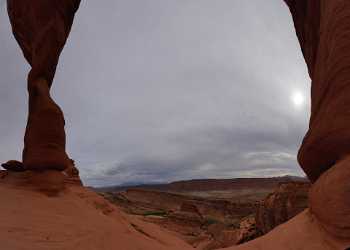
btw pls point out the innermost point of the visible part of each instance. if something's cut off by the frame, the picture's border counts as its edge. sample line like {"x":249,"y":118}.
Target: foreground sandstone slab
{"x":303,"y":232}
{"x":77,"y":219}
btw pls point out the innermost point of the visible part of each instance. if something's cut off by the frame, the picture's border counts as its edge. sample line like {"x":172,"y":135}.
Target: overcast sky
{"x":163,"y":90}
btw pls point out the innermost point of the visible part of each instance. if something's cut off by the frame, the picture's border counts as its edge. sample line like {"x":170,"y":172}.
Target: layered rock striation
{"x":77,"y":219}
{"x":323,"y":29}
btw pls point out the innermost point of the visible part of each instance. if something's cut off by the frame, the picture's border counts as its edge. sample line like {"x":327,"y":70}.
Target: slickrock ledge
{"x":77,"y":219}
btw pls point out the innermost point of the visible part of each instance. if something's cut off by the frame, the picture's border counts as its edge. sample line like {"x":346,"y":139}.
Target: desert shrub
{"x":210,"y":221}
{"x":155,"y":213}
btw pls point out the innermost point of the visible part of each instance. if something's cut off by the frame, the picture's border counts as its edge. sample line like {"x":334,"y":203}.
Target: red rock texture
{"x":41,"y":28}
{"x":3,"y":174}
{"x":247,"y":231}
{"x":205,"y":223}
{"x":220,"y":237}
{"x":330,"y":200}
{"x":78,"y":219}
{"x":323,"y":29}
{"x":72,"y":174}
{"x":49,"y":182}
{"x":15,"y":166}
{"x":303,"y":232}
{"x":324,"y":226}
{"x":280,"y":206}
{"x":190,"y":207}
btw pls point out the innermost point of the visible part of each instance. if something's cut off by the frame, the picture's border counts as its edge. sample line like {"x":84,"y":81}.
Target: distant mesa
{"x":208,"y":184}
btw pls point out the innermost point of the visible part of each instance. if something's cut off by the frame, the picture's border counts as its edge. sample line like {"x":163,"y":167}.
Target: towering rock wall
{"x":323,"y":29}
{"x":41,"y":27}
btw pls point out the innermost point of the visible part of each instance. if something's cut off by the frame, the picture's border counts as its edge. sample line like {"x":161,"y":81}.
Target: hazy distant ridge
{"x":207,"y":184}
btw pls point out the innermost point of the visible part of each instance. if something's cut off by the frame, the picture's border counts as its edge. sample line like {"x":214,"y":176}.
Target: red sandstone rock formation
{"x":191,"y":208}
{"x":72,"y":174}
{"x":247,"y":230}
{"x":41,"y":28}
{"x":280,"y":206}
{"x":330,"y":200}
{"x":15,"y":166}
{"x":322,"y":28}
{"x":78,"y":220}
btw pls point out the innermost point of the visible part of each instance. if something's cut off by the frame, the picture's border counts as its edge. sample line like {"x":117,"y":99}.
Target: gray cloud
{"x":162,"y":90}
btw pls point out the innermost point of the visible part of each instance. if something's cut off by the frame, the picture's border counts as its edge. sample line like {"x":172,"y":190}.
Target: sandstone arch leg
{"x":45,"y":139}
{"x":323,"y":30}
{"x":41,"y":28}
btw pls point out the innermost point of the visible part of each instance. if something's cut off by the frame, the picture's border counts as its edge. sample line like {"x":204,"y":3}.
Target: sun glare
{"x":297,"y":99}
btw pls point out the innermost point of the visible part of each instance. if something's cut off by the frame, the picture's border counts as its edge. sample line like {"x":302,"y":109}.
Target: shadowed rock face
{"x":323,"y":29}
{"x":287,"y":201}
{"x":14,"y":166}
{"x":330,"y":200}
{"x":41,"y":28}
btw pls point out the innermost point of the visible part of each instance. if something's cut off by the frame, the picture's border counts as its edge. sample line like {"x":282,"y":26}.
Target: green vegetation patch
{"x":210,"y":221}
{"x":155,"y":213}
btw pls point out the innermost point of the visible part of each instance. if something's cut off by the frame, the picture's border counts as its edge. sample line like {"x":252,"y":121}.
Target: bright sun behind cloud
{"x":297,"y":99}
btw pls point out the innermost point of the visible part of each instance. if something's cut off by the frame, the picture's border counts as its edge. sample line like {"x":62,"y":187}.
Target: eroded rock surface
{"x":72,"y":174}
{"x":50,"y":182}
{"x":41,"y":28}
{"x":280,"y":206}
{"x":330,"y":200}
{"x":78,"y":220}
{"x":13,"y":165}
{"x":211,"y":223}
